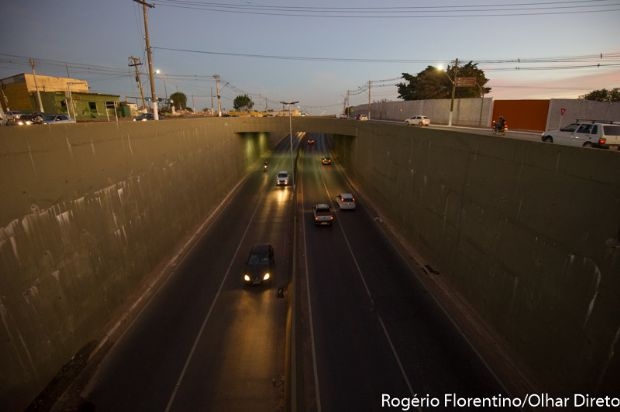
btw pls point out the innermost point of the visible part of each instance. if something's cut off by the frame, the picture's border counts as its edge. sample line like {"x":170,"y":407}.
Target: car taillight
{"x":602,"y":140}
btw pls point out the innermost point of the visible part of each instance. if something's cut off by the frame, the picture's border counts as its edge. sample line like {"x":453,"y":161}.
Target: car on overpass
{"x":146,"y":117}
{"x":326,"y":160}
{"x":56,"y":119}
{"x":419,"y":120}
{"x":587,"y":133}
{"x":260,"y":265}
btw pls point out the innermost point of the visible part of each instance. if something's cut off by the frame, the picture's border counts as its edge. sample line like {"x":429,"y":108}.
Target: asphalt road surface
{"x":375,"y":330}
{"x":206,"y":342}
{"x":363,"y":326}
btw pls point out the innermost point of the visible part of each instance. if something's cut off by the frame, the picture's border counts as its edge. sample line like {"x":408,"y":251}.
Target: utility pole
{"x":36,"y":87}
{"x":212,"y":109}
{"x":456,"y":68}
{"x":217,"y":91}
{"x":369,"y":83}
{"x":5,"y":100}
{"x":135,"y":62}
{"x":149,"y":55}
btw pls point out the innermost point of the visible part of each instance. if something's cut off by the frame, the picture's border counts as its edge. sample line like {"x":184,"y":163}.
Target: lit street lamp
{"x":290,"y":136}
{"x":456,"y":65}
{"x":163,"y":78}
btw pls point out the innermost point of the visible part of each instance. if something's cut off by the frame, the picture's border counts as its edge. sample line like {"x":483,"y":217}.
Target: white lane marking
{"x":155,"y":285}
{"x":208,"y":315}
{"x":311,"y":321}
{"x":372,"y":301}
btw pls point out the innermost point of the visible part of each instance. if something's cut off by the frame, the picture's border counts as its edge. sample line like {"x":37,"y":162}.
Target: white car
{"x":323,"y":215}
{"x":282,"y":178}
{"x":601,"y":134}
{"x":418,"y":120}
{"x":346,"y":201}
{"x":57,"y":119}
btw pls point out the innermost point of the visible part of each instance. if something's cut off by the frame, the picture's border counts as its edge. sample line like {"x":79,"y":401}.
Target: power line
{"x":400,"y":12}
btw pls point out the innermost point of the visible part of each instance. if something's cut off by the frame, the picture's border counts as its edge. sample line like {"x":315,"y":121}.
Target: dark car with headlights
{"x":260,"y":266}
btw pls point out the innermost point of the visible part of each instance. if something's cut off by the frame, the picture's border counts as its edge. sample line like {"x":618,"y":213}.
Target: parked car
{"x":56,"y":119}
{"x":12,"y":116}
{"x":588,"y":133}
{"x":145,"y":117}
{"x":282,"y":178}
{"x":260,"y":265}
{"x":345,"y":201}
{"x":326,"y":160}
{"x":418,"y":120}
{"x":322,"y":214}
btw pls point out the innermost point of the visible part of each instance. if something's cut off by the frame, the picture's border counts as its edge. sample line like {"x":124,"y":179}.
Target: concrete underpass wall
{"x":528,"y":233}
{"x":87,"y":211}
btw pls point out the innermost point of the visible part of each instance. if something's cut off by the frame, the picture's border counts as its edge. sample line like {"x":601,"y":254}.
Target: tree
{"x":243,"y":102}
{"x":433,"y":83}
{"x":604,"y":95}
{"x":179,"y":100}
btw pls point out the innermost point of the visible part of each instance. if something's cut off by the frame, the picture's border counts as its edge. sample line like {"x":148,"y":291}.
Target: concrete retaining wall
{"x":521,"y":114}
{"x":528,"y":233}
{"x":89,"y":210}
{"x":467,"y":112}
{"x":580,"y":109}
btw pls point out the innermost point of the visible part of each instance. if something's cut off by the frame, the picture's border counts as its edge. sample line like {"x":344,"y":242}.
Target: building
{"x":36,"y":93}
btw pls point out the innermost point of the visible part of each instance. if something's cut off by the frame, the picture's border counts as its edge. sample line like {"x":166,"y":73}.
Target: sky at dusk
{"x":314,"y":51}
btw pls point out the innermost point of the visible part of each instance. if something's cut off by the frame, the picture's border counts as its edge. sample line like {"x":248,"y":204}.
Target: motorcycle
{"x":499,"y":129}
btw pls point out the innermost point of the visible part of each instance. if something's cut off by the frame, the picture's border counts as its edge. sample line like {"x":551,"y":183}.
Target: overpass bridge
{"x":524,"y":235}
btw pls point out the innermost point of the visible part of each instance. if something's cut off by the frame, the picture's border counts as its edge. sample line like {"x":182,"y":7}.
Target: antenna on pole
{"x":135,"y":62}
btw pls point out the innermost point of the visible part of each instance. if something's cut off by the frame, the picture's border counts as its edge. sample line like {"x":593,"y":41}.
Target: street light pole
{"x":290,"y":136}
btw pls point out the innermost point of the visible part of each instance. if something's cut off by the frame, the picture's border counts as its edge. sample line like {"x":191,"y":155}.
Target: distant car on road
{"x":260,"y":266}
{"x":311,"y":141}
{"x":326,"y":160}
{"x":342,"y":116}
{"x":12,"y":117}
{"x":282,"y":178}
{"x":345,"y":201}
{"x":322,"y":214}
{"x":418,"y":120}
{"x":56,"y":119}
{"x":144,"y":117}
{"x":362,"y":117}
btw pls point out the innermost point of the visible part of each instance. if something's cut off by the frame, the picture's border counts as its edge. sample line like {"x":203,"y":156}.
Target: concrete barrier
{"x":527,"y":232}
{"x":89,"y":210}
